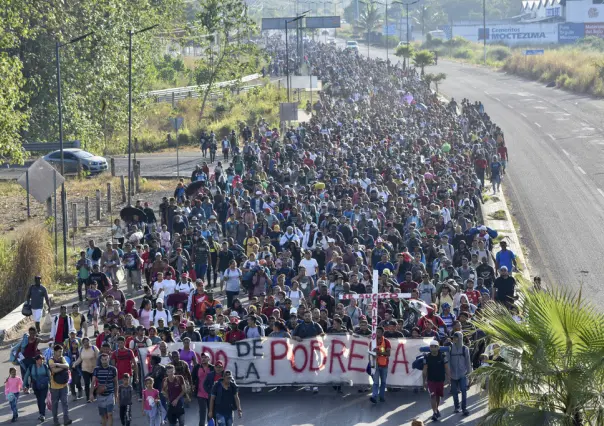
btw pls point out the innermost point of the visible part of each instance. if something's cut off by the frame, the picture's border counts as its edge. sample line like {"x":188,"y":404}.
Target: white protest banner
{"x":328,"y":360}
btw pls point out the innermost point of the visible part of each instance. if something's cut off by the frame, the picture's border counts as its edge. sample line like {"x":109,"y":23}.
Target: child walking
{"x":12,"y":386}
{"x":125,"y":392}
{"x":152,"y":408}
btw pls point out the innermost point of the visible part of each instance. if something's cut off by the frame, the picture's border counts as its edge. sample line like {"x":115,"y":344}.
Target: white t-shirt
{"x":163,"y":314}
{"x":185,"y":288}
{"x":169,"y":286}
{"x":311,"y":266}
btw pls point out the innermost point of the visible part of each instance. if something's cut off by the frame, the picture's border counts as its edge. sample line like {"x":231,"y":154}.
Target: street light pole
{"x":387,"y":35}
{"x":130,"y":34}
{"x":288,"y":21}
{"x":484,"y":29}
{"x":60,"y":107}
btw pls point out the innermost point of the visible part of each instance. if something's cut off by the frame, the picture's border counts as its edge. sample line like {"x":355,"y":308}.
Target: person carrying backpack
{"x":460,"y":365}
{"x":37,"y":377}
{"x":59,"y":367}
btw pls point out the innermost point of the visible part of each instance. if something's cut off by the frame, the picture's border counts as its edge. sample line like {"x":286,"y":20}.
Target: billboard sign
{"x":322,"y":22}
{"x":389,"y":30}
{"x":595,"y":29}
{"x":570,"y":32}
{"x":276,"y":23}
{"x":513,"y":34}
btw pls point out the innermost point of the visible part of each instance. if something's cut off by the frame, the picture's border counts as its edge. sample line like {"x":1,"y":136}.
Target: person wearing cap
{"x":504,"y":287}
{"x":191,"y":333}
{"x":460,"y":365}
{"x":37,"y":377}
{"x":198,"y":375}
{"x":160,"y":313}
{"x":210,"y":331}
{"x":435,"y":373}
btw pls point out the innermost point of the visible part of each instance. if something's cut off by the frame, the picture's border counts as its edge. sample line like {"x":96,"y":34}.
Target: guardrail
{"x":49,"y":146}
{"x":178,"y":93}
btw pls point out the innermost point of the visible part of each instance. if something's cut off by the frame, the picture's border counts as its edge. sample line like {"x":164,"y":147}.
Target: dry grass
{"x":571,"y":69}
{"x":23,"y":256}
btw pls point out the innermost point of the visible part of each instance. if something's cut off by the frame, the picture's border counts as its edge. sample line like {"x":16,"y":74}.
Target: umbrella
{"x":193,"y":187}
{"x":128,"y":214}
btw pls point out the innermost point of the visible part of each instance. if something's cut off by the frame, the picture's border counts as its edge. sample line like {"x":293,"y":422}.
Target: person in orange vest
{"x":382,"y":351}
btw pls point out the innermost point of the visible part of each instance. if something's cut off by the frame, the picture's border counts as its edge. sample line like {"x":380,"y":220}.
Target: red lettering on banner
{"x":275,"y":356}
{"x":400,"y":357}
{"x":317,"y":345}
{"x":333,"y":355}
{"x":293,"y":359}
{"x":352,"y":355}
{"x":219,"y":355}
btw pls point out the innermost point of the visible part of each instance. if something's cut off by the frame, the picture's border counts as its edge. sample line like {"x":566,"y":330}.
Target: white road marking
{"x":523,"y":114}
{"x":537,"y":124}
{"x":551,"y":137}
{"x":498,"y":100}
{"x":600,"y":191}
{"x":581,"y":170}
{"x":565,"y":153}
{"x":510,"y":107}
{"x":486,"y":93}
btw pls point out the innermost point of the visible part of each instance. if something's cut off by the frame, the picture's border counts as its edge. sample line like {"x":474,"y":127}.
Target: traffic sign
{"x":534,"y":52}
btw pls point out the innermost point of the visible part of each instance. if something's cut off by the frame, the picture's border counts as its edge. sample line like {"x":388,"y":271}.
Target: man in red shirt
{"x":123,"y":359}
{"x":408,"y":284}
{"x":474,"y":296}
{"x":234,"y":334}
{"x":431,"y":316}
{"x":196,"y":305}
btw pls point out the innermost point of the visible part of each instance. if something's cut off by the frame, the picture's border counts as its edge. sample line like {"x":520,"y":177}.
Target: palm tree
{"x":422,"y":58}
{"x":368,"y":20}
{"x":406,"y":51}
{"x":553,"y":373}
{"x":438,"y":78}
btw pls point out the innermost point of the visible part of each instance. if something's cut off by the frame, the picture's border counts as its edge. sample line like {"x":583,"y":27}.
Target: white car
{"x":352,"y":45}
{"x":72,"y":156}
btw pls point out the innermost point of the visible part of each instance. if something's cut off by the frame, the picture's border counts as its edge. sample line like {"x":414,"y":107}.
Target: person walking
{"x":58,"y":385}
{"x":435,"y":373}
{"x":36,"y":296}
{"x":152,"y":408}
{"x":174,"y":389}
{"x":87,"y":362}
{"x":13,"y":385}
{"x":37,"y":378}
{"x":199,"y":374}
{"x":460,"y":365}
{"x":104,"y":379}
{"x":380,"y":374}
{"x":225,"y":399}
{"x":125,"y":392}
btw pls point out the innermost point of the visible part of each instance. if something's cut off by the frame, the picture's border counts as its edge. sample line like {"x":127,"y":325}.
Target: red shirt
{"x":408,"y":286}
{"x":234,"y":336}
{"x":123,"y":361}
{"x":473,"y":296}
{"x":503,"y":152}
{"x":436,"y":320}
{"x":481,"y":163}
{"x":100,"y":339}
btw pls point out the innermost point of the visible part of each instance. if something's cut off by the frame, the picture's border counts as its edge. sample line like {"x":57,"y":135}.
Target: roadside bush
{"x":30,"y":254}
{"x":499,"y":53}
{"x":463,"y":53}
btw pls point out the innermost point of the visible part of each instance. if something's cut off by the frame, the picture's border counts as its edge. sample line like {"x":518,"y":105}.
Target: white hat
{"x":434,"y":343}
{"x":293,"y":311}
{"x":258,"y":192}
{"x":234,"y":314}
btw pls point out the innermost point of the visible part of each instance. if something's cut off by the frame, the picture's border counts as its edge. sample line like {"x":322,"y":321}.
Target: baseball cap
{"x":234,"y":314}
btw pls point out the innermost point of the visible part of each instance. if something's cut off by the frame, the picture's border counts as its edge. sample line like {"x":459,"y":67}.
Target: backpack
{"x":42,"y":381}
{"x":62,"y":377}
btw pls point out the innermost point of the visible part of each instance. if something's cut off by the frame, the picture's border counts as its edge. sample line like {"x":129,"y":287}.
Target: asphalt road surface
{"x":555,"y":179}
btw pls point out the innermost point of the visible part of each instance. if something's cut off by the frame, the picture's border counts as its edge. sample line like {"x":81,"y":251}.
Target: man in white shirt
{"x":160,"y":313}
{"x":158,"y":285}
{"x":310,"y":265}
{"x":183,"y":286}
{"x":169,"y":285}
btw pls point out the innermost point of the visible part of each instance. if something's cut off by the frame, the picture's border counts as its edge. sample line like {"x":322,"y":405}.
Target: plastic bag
{"x":48,"y":401}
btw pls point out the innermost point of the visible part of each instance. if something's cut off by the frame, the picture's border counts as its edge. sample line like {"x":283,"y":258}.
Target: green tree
{"x":405,"y":51}
{"x":423,"y":58}
{"x":368,"y":20}
{"x":438,"y":78}
{"x":224,"y":24}
{"x":553,"y":372}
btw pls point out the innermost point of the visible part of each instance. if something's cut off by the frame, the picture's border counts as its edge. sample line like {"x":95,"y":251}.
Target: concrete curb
{"x":14,"y":321}
{"x":504,"y":227}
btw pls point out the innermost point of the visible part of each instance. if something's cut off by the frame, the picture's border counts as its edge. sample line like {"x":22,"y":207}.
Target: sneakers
{"x":41,"y":419}
{"x":434,"y":417}
{"x":457,"y":411}
{"x":438,"y":413}
{"x":68,"y":422}
{"x":466,"y":413}
{"x":373,"y":400}
{"x":80,"y":394}
{"x":382,"y":399}
{"x":315,"y":390}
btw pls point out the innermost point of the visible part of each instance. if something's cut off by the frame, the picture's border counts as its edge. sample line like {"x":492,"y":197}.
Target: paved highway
{"x":555,"y":178}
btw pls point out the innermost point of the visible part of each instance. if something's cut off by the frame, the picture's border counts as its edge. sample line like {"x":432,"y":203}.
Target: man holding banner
{"x":382,"y":352}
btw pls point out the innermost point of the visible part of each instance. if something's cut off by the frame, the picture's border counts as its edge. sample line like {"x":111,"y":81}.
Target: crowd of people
{"x":278,"y":242}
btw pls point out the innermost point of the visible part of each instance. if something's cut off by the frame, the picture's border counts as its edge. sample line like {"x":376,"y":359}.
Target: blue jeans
{"x":379,"y":379}
{"x":200,"y":270}
{"x":456,"y":386}
{"x":13,"y":405}
{"x":222,"y":420}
